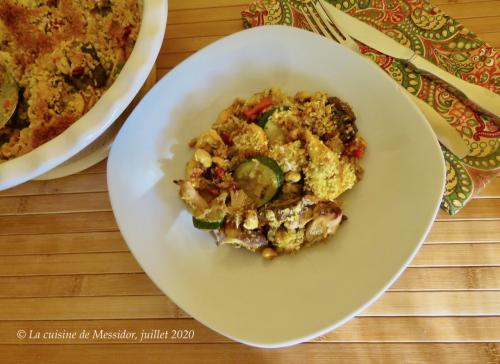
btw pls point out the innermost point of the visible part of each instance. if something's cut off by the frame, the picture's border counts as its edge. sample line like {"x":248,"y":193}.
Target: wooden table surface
{"x":64,"y":267}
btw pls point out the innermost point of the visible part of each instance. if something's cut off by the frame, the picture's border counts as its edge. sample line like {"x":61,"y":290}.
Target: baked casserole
{"x":63,"y":54}
{"x":268,"y":174}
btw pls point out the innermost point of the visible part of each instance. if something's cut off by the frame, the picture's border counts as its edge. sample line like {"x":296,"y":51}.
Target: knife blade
{"x":446,"y":134}
{"x":480,"y":97}
{"x":451,"y":139}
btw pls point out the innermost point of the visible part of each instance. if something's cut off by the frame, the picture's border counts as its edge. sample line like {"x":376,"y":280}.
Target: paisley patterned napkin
{"x":442,"y":40}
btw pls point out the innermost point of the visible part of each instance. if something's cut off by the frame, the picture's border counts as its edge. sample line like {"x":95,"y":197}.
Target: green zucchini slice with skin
{"x":260,"y":177}
{"x":264,"y":118}
{"x":272,"y":130}
{"x":207,"y":225}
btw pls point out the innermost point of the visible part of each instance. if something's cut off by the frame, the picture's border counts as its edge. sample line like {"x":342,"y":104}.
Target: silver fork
{"x":322,"y":24}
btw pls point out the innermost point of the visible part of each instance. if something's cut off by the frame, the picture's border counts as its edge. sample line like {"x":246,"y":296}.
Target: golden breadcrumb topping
{"x":63,"y":54}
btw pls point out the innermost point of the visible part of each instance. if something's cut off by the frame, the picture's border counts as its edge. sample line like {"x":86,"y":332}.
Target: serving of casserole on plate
{"x":268,"y":174}
{"x":76,"y":66}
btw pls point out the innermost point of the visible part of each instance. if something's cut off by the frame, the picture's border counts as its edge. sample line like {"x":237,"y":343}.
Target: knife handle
{"x":480,"y":97}
{"x":445,"y":133}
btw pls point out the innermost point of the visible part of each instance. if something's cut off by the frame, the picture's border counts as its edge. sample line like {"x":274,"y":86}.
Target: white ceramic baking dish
{"x":106,"y":110}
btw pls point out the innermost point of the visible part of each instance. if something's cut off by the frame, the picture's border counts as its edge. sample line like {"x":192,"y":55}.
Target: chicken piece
{"x":327,"y":175}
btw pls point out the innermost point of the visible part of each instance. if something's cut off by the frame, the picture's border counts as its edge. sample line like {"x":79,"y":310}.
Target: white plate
{"x":90,"y":126}
{"x":292,"y":298}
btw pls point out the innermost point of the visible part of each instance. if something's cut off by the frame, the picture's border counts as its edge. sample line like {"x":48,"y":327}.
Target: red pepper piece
{"x":359,"y":151}
{"x":77,"y":72}
{"x":214,"y":191}
{"x":220,"y":172}
{"x":251,"y":112}
{"x":226,"y":138}
{"x":127,"y":31}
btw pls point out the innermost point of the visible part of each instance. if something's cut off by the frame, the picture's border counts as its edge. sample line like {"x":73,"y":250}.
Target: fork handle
{"x":474,"y":95}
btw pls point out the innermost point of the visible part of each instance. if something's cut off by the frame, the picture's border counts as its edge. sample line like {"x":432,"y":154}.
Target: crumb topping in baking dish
{"x":269,"y":173}
{"x":63,"y":54}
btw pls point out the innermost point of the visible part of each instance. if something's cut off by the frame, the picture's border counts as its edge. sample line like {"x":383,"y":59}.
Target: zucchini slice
{"x":260,"y":177}
{"x":273,"y":131}
{"x":207,"y":225}
{"x":264,"y":118}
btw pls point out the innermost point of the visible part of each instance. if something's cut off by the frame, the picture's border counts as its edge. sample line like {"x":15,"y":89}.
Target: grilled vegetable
{"x":229,"y":234}
{"x":206,"y":225}
{"x":273,"y":131}
{"x":266,"y":116}
{"x":253,"y":111}
{"x":260,"y":177}
{"x":96,"y":77}
{"x":327,"y":218}
{"x":103,"y":7}
{"x":9,"y":95}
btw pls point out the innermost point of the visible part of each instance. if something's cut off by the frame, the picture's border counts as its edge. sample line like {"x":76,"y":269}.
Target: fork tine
{"x":313,"y":26}
{"x":328,"y":23}
{"x":346,"y":38}
{"x":316,"y":24}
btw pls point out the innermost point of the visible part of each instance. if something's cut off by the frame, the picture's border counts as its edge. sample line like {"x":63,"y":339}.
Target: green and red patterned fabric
{"x":442,"y":40}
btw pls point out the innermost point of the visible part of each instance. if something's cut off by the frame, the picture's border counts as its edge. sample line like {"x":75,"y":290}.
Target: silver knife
{"x":480,"y":97}
{"x":446,"y":134}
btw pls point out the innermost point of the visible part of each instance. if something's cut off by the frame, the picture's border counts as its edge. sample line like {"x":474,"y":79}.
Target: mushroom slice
{"x":327,"y":218}
{"x":323,"y":225}
{"x":252,"y":240}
